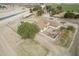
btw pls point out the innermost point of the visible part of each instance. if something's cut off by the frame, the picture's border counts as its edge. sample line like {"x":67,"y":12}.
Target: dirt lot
{"x":12,"y":44}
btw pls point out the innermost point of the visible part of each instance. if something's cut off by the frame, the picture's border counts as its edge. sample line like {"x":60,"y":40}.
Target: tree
{"x":27,"y":30}
{"x":62,"y":28}
{"x":52,"y":12}
{"x":77,"y":16}
{"x":48,"y":8}
{"x":0,"y":6}
{"x":59,"y":8}
{"x":71,"y":28}
{"x":3,"y":7}
{"x":31,"y":10}
{"x":40,"y":12}
{"x":69,"y":15}
{"x":37,"y":7}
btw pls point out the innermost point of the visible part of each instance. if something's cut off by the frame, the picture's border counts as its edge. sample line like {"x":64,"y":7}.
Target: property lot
{"x":12,"y":44}
{"x":51,"y":32}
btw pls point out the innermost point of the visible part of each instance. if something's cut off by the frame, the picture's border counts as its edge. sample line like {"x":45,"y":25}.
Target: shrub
{"x":40,"y":12}
{"x":66,"y":36}
{"x":71,"y":28}
{"x":37,"y":7}
{"x":62,"y":28}
{"x":31,"y":10}
{"x":53,"y":12}
{"x":77,"y":16}
{"x":69,"y":15}
{"x":48,"y":8}
{"x":59,"y":7}
{"x":27,"y":30}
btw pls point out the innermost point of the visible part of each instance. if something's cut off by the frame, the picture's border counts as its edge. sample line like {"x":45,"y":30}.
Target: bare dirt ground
{"x":12,"y":44}
{"x":54,"y":49}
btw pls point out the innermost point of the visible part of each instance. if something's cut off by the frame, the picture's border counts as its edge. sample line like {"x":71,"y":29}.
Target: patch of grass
{"x":68,"y":7}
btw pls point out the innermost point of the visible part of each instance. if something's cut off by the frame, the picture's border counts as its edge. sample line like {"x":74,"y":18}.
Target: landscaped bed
{"x":66,"y":36}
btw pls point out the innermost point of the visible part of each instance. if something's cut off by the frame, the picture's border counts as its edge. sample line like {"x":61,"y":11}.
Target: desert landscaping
{"x":53,"y":36}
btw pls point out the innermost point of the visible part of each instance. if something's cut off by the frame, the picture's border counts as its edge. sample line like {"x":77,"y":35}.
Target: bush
{"x":62,"y":28}
{"x":77,"y":16}
{"x":27,"y":30}
{"x":48,"y":8}
{"x":37,"y":7}
{"x":31,"y":10}
{"x":59,"y":8}
{"x":71,"y":28}
{"x":40,"y":12}
{"x":69,"y":15}
{"x":52,"y":12}
{"x":66,"y":35}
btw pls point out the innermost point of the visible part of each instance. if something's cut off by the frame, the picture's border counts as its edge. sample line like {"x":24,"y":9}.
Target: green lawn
{"x":68,"y":7}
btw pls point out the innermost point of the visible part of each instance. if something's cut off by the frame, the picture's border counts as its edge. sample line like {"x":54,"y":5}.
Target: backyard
{"x":66,"y":36}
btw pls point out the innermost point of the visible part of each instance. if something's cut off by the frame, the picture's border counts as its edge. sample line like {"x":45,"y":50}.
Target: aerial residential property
{"x":39,"y":29}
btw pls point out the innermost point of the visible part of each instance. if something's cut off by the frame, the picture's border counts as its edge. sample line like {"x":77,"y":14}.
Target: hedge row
{"x":71,"y":15}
